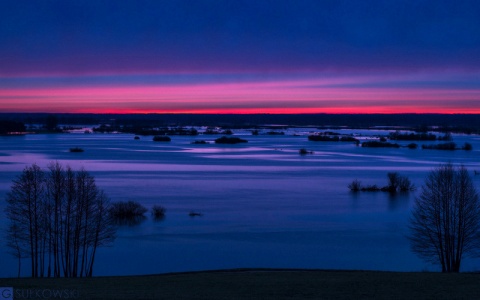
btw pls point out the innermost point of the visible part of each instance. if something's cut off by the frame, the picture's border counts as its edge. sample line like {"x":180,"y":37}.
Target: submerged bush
{"x":370,"y":188}
{"x":129,"y":213}
{"x":424,"y":136}
{"x":127,"y":209}
{"x":347,"y":138}
{"x":405,"y":185}
{"x":161,"y":138}
{"x":158,"y":212}
{"x":323,"y":138}
{"x":377,"y":144}
{"x":355,"y":185}
{"x":200,"y":142}
{"x":396,"y":183}
{"x":393,"y":181}
{"x":304,"y":151}
{"x":76,"y":149}
{"x":444,"y":146}
{"x":412,"y":146}
{"x":331,"y":137}
{"x":230,"y":140}
{"x":467,"y":146}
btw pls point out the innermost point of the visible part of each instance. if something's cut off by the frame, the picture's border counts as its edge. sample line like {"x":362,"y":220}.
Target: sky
{"x":240,"y":56}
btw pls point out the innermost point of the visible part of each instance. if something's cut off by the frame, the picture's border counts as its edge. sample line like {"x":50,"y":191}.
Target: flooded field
{"x":262,"y":203}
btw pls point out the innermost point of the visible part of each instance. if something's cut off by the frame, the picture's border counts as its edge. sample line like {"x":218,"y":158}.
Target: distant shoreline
{"x":453,"y":121}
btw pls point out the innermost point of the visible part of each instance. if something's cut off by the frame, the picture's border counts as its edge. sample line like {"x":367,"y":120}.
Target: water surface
{"x":263,"y":204}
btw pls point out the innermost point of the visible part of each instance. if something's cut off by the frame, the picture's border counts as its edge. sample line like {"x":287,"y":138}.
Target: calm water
{"x":263,"y":204}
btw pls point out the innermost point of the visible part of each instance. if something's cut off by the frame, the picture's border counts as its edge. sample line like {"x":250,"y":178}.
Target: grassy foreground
{"x":260,"y":284}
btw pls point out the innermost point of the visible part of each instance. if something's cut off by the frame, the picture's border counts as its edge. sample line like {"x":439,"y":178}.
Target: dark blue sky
{"x":259,"y":35}
{"x":271,"y":39}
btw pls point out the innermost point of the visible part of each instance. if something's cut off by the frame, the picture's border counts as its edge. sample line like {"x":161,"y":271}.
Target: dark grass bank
{"x":258,"y":284}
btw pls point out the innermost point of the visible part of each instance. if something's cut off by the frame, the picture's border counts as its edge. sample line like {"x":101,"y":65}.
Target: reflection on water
{"x":262,"y":204}
{"x":133,"y":221}
{"x":398,"y":201}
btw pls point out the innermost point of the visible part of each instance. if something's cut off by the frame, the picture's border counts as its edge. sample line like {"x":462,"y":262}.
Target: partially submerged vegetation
{"x":195,"y":214}
{"x":443,"y":146}
{"x":304,"y":151}
{"x":158,"y":212}
{"x":331,"y":137}
{"x":378,"y":144}
{"x":127,"y":213}
{"x":396,"y":183}
{"x":448,"y":146}
{"x":467,"y":147}
{"x":127,"y":209}
{"x":76,"y":149}
{"x":275,"y":133}
{"x":419,"y":136}
{"x":210,"y":131}
{"x":412,"y":146}
{"x":161,"y":138}
{"x":149,"y":130}
{"x":230,"y":140}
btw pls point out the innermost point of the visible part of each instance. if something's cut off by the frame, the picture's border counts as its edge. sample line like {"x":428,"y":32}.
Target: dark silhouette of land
{"x":265,"y":284}
{"x":467,"y":123}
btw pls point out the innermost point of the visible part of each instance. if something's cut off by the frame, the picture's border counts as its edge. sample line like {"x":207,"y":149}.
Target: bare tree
{"x":58,"y":220}
{"x":55,"y":183}
{"x":24,"y":203}
{"x":17,"y":244}
{"x":445,"y":223}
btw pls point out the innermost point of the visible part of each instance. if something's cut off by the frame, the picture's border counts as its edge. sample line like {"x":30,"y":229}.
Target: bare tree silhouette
{"x":58,"y":219}
{"x":445,"y":223}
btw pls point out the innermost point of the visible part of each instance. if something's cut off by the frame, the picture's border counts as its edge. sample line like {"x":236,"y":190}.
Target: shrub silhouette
{"x":323,"y":138}
{"x":377,"y":144}
{"x":304,"y":151}
{"x":158,"y":212}
{"x":405,"y":185}
{"x":195,"y":214}
{"x":424,"y":136}
{"x":161,"y":138}
{"x":230,"y":140}
{"x":444,"y":146}
{"x":393,"y":181}
{"x":127,"y":209}
{"x":355,"y":185}
{"x":329,"y":138}
{"x":412,"y":146}
{"x":467,"y":146}
{"x":76,"y":149}
{"x":129,"y":213}
{"x":370,"y":188}
{"x":396,"y":183}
